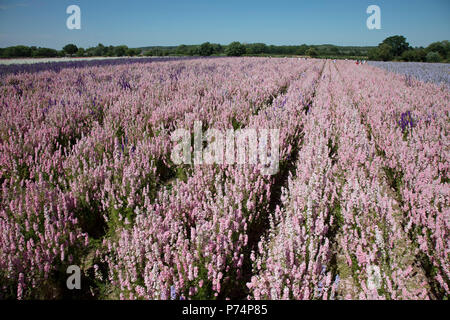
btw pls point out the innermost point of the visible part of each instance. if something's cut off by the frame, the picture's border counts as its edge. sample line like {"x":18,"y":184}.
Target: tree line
{"x":68,"y":50}
{"x":205,"y":49}
{"x":256,"y":49}
{"x":392,"y":48}
{"x":396,"y":48}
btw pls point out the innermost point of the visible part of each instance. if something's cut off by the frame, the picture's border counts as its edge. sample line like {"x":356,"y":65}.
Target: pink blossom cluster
{"x":417,"y":158}
{"x":356,"y":245}
{"x":100,"y":137}
{"x":374,"y":244}
{"x":291,"y":262}
{"x":205,"y":223}
{"x":359,"y":208}
{"x":39,"y":235}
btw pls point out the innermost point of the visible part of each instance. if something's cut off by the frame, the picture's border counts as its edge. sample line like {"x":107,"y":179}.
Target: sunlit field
{"x":358,"y":208}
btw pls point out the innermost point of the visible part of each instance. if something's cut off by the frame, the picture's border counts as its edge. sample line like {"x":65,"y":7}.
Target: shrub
{"x":312,"y":52}
{"x":235,"y":49}
{"x":433,"y":57}
{"x":70,"y":49}
{"x":206,"y":49}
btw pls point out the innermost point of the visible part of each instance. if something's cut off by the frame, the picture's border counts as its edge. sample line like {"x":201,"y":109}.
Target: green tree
{"x":301,"y":50}
{"x":312,"y":52}
{"x":443,"y":48}
{"x":385,"y":52}
{"x":217,"y":48}
{"x":45,"y":53}
{"x":120,"y":51}
{"x":433,"y":57}
{"x":205,"y":49}
{"x":80,"y":52}
{"x":193,"y":51}
{"x":257,"y":48}
{"x":416,"y":54}
{"x":334,"y":50}
{"x":373,"y":54}
{"x":410,"y":55}
{"x":235,"y":49}
{"x":421,"y":54}
{"x":17,"y":52}
{"x":182,"y":49}
{"x":398,"y":45}
{"x":70,"y":48}
{"x":99,"y":50}
{"x":132,"y":52}
{"x":109,"y":51}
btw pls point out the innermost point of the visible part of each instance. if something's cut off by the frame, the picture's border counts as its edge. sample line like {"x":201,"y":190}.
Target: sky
{"x":138,"y":23}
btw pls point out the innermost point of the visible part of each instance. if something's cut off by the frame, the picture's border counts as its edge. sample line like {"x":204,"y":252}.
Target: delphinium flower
{"x":227,"y":200}
{"x":298,"y":230}
{"x":85,"y":154}
{"x":406,"y":121}
{"x":397,"y":156}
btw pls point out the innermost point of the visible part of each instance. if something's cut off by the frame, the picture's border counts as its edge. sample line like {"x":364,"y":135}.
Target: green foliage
{"x":157,"y":52}
{"x":81,"y":52}
{"x":396,"y":48}
{"x":148,"y":53}
{"x":44,"y":53}
{"x":394,"y":178}
{"x":217,"y":48}
{"x":132,"y":52}
{"x":120,"y":51}
{"x":385,"y":52}
{"x":70,"y":48}
{"x":392,"y":48}
{"x":182,"y":49}
{"x":443,"y":48}
{"x":206,"y":49}
{"x":17,"y":52}
{"x":433,"y":57}
{"x":256,"y":48}
{"x":373,"y":54}
{"x":235,"y":49}
{"x":397,"y":44}
{"x":302,"y":49}
{"x":181,"y":174}
{"x":334,"y":50}
{"x":414,"y":55}
{"x":193,"y":51}
{"x":312,"y":52}
{"x":100,"y":50}
{"x":236,"y":124}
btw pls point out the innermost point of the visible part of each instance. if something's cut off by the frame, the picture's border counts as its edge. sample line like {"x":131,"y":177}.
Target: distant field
{"x":427,"y":72}
{"x":15,"y":66}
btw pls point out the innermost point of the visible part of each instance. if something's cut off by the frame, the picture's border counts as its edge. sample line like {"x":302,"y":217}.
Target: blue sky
{"x":171,"y":22}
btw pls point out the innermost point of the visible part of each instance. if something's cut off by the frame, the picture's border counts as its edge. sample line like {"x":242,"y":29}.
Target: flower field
{"x":359,"y":208}
{"x":428,"y":72}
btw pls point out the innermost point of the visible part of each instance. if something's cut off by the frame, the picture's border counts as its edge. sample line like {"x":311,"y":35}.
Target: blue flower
{"x":406,"y":121}
{"x":337,"y":279}
{"x":173,"y":293}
